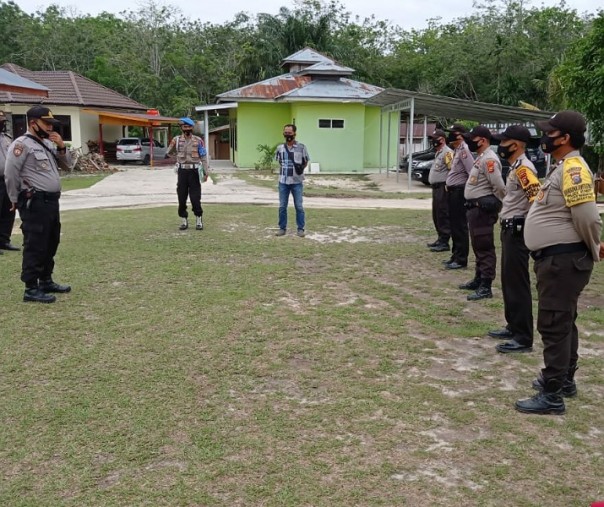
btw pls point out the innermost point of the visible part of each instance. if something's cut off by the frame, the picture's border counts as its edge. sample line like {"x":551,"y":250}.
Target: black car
{"x":423,"y":160}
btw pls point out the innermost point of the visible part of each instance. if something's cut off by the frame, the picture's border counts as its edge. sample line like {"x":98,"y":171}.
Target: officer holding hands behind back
{"x":562,"y":231}
{"x":34,"y":188}
{"x":522,"y":186}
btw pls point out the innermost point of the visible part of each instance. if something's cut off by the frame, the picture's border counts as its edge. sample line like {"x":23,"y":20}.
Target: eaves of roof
{"x":67,"y":88}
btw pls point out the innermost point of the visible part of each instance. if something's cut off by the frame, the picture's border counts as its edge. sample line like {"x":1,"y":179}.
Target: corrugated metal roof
{"x":67,"y":88}
{"x":333,"y":90}
{"x":327,"y":69}
{"x":124,"y":118}
{"x":448,"y":107}
{"x":269,"y":89}
{"x":10,"y":82}
{"x":306,"y":55}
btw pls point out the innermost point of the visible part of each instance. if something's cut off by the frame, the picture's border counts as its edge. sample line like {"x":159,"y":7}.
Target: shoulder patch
{"x":18,"y":149}
{"x":491,"y":166}
{"x":528,"y":181}
{"x":577,"y":182}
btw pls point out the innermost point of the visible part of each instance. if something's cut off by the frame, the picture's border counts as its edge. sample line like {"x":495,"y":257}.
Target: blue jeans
{"x":296,"y":191}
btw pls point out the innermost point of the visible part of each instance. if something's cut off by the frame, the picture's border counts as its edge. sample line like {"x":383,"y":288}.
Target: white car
{"x":137,"y":149}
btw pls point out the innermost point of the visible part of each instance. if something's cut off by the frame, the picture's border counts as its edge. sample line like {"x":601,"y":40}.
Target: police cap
{"x":41,"y":113}
{"x":568,"y":121}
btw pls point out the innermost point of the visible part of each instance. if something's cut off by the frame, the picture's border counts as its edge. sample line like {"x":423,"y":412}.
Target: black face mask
{"x":187,"y":132}
{"x":547,"y":143}
{"x":41,"y":133}
{"x":506,"y":152}
{"x":437,"y":143}
{"x":473,"y":145}
{"x":288,"y":137}
{"x":452,"y":137}
{"x":3,"y":126}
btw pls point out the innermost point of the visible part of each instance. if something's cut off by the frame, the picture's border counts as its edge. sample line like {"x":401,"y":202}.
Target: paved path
{"x":139,"y":186}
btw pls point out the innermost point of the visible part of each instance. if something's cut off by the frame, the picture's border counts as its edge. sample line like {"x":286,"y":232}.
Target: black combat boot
{"x":569,"y":387}
{"x":35,"y":295}
{"x":472,"y":284}
{"x":483,"y":292}
{"x":50,"y":286}
{"x":548,"y":401}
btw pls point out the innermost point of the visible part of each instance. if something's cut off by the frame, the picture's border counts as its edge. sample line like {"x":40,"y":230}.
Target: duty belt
{"x":508,"y":223}
{"x":562,"y":248}
{"x":187,"y":166}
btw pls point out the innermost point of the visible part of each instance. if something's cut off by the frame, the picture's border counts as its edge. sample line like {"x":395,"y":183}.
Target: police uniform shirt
{"x":187,"y":149}
{"x":5,"y":141}
{"x":29,"y":164}
{"x":440,"y":167}
{"x":521,"y":188}
{"x":284,"y":155}
{"x":564,"y":211}
{"x":460,"y":166}
{"x":485,"y":177}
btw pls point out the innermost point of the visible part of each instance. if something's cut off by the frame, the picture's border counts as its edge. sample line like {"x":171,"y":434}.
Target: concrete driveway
{"x":143,"y":186}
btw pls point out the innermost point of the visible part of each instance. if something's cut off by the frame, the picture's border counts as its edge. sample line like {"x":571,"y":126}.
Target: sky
{"x":407,"y":14}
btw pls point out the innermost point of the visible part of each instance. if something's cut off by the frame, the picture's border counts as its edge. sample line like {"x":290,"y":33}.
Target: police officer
{"x":191,"y":169}
{"x":483,"y":192}
{"x":436,"y":178}
{"x":34,"y":187}
{"x":7,"y":214}
{"x":455,"y":185}
{"x":562,"y":231}
{"x":521,"y":188}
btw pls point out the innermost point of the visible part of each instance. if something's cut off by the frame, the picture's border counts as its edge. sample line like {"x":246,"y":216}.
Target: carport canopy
{"x":393,"y":100}
{"x":130,"y":120}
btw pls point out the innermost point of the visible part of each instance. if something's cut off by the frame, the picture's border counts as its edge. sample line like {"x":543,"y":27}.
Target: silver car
{"x":137,"y":149}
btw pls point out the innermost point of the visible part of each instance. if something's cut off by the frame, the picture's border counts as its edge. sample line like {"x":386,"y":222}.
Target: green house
{"x":341,"y":132}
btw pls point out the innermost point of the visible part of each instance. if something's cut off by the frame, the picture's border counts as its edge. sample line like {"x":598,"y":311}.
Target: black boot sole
{"x":551,"y":411}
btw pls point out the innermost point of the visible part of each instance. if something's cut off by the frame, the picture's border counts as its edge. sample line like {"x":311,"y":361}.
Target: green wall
{"x":353,"y":148}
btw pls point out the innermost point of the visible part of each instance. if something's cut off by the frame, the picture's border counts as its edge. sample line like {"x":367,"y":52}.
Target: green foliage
{"x":267,"y":158}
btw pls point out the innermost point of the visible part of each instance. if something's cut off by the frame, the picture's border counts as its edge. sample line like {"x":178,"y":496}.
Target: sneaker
{"x":281,"y":232}
{"x":199,"y":224}
{"x":35,"y":295}
{"x":184,"y":225}
{"x":50,"y":286}
{"x":301,"y":233}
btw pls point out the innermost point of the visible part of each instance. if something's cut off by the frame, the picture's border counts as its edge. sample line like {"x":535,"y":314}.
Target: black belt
{"x":562,"y":248}
{"x":438,"y":185}
{"x":187,"y":166}
{"x":456,"y":187}
{"x":41,"y":194}
{"x":471,"y":203}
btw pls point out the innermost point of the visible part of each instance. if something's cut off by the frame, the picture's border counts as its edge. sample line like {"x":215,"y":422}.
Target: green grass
{"x":77,"y":181}
{"x":229,"y":367}
{"x":364,"y":187}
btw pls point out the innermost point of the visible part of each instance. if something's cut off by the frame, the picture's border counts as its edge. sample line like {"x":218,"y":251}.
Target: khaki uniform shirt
{"x":564,"y":210}
{"x":5,"y":141}
{"x":30,"y":165}
{"x":460,"y":166}
{"x":521,"y":188}
{"x":485,"y":177}
{"x":187,"y":149}
{"x":441,"y":166}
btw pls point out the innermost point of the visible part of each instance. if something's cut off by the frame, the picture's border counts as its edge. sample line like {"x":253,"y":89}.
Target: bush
{"x":267,"y":160}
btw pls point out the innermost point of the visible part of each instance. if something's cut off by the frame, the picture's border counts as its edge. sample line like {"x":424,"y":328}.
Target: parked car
{"x":137,"y":149}
{"x":422,"y":162}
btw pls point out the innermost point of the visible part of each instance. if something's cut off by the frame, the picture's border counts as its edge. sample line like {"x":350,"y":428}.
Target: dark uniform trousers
{"x":7,"y":217}
{"x":516,"y":285}
{"x":41,"y":226}
{"x":481,"y":224}
{"x":440,"y":212}
{"x":459,"y":224}
{"x":560,"y":280}
{"x":188,"y":185}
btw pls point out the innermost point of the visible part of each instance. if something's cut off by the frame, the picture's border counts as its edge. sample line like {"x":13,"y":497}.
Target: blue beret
{"x":186,"y":121}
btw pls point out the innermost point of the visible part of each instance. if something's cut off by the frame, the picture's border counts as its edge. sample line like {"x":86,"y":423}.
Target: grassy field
{"x":78,"y":181}
{"x":228,"y":367}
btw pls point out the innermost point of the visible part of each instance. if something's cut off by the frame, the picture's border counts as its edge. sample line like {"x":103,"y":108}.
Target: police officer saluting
{"x":521,"y":187}
{"x":483,"y":193}
{"x":34,"y":187}
{"x":562,"y":231}
{"x":190,"y":153}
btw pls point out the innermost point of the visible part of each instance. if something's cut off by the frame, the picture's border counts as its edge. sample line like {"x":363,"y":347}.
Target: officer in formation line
{"x":562,"y":231}
{"x":7,"y":214}
{"x":34,"y":187}
{"x":455,"y":185}
{"x":522,"y":186}
{"x":483,"y":193}
{"x":191,"y":169}
{"x":437,"y":178}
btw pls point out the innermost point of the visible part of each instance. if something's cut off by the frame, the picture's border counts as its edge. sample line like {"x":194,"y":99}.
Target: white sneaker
{"x":184,"y":225}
